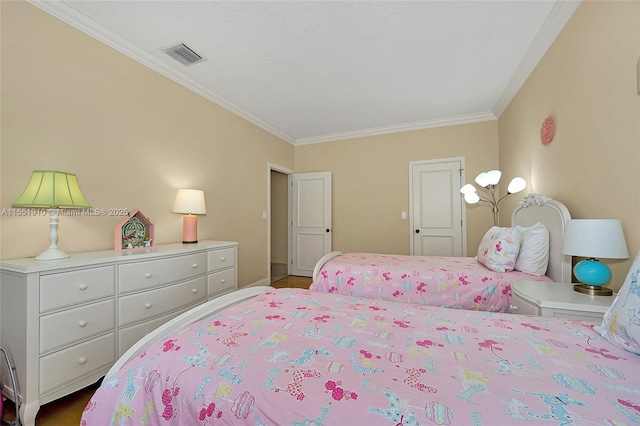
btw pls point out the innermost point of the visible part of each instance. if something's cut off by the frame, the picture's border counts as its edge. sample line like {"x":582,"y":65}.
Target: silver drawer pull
{"x":148,"y":305}
{"x":194,"y":290}
{"x":148,"y":275}
{"x":195,"y":265}
{"x":223,"y":281}
{"x":82,"y":323}
{"x":222,"y":259}
{"x":82,"y":360}
{"x":82,"y":286}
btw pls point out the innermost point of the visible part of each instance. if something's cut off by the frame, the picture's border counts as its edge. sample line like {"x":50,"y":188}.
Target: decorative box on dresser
{"x":560,"y":300}
{"x":65,"y":322}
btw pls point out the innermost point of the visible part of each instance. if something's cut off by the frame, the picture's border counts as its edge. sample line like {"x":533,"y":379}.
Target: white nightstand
{"x":557,"y":300}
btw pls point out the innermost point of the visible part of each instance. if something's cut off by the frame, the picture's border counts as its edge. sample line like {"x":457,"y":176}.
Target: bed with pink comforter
{"x":451,"y":282}
{"x":295,"y":357}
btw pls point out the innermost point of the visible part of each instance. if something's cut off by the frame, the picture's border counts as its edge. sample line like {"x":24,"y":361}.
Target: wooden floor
{"x":68,"y":410}
{"x":65,"y":411}
{"x":292,"y":282}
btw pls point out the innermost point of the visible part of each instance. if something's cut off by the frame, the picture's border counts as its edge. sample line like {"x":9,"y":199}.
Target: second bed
{"x":455,"y":282}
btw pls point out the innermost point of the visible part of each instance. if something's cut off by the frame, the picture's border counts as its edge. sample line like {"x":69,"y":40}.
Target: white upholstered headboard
{"x":554,"y":215}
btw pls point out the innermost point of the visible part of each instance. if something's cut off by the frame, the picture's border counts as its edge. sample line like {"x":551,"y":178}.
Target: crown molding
{"x":82,"y":22}
{"x":560,"y":14}
{"x":407,"y":127}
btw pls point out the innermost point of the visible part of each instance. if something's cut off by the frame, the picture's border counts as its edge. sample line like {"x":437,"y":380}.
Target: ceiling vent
{"x":184,"y":54}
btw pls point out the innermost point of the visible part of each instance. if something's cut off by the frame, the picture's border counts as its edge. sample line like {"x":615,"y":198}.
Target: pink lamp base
{"x":189,"y":229}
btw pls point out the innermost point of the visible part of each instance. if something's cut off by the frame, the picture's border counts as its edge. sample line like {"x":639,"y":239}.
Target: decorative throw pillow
{"x":621,"y":322}
{"x":499,"y":249}
{"x":533,"y":257}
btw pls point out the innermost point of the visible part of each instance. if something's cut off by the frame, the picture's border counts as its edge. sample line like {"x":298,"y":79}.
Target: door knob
{"x":328,"y":230}
{"x":417,"y":231}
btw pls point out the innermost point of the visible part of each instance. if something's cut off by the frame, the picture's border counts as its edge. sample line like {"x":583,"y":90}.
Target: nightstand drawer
{"x":76,"y":361}
{"x":222,"y":258}
{"x":138,"y":307}
{"x":62,"y":328}
{"x":71,"y":288}
{"x":578,"y":315}
{"x":559,"y":300}
{"x":522,"y":307}
{"x":142,"y":275}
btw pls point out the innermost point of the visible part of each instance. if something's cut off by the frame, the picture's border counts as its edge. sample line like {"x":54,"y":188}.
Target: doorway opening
{"x":278,"y":227}
{"x":299,"y":221}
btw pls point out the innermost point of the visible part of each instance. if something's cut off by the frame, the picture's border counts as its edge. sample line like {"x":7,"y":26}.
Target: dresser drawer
{"x":222,"y":258}
{"x":70,"y":364}
{"x":138,"y":307}
{"x":221,"y":281}
{"x":141,"y":275}
{"x":128,"y":336}
{"x":62,"y":328}
{"x":71,"y":288}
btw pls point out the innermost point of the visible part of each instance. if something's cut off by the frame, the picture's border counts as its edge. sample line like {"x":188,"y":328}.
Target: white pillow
{"x":621,"y":322}
{"x":499,"y":249}
{"x":533,"y":257}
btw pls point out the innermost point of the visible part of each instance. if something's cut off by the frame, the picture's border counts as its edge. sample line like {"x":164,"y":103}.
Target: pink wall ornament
{"x":547,"y":131}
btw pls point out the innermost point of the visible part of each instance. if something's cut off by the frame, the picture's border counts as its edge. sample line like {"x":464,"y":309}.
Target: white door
{"x":436,"y":208}
{"x":310,"y":220}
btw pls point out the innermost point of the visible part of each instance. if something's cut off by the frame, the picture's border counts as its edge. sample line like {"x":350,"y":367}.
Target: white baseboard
{"x":264,"y":281}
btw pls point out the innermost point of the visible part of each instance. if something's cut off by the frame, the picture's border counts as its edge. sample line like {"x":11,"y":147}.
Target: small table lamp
{"x":593,"y":238}
{"x":52,"y":190}
{"x":189,"y":202}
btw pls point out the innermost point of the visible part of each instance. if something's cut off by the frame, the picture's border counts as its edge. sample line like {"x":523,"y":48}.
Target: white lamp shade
{"x":467,"y":188}
{"x":493,"y":177}
{"x":517,"y":184}
{"x":471,"y":197}
{"x":189,"y":201}
{"x":482,"y":179}
{"x":596,"y":238}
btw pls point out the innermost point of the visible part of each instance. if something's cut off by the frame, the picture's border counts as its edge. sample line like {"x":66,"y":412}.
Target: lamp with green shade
{"x":52,"y":190}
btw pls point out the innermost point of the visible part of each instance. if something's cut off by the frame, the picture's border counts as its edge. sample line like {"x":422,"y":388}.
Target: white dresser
{"x":65,"y":322}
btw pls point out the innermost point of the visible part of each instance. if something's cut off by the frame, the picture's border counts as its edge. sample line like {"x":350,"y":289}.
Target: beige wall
{"x":132,"y":137}
{"x":588,"y":83}
{"x":279,"y":217}
{"x":370,"y":181}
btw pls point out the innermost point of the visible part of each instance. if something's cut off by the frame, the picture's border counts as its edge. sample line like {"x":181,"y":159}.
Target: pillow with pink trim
{"x":499,"y":248}
{"x":621,"y":322}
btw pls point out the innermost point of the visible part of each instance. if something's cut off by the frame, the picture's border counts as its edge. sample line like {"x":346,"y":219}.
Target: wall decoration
{"x":134,"y":231}
{"x":547,"y":131}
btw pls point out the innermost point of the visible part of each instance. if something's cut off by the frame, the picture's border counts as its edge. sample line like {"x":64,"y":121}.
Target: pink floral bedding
{"x":294,"y":357}
{"x":451,"y":282}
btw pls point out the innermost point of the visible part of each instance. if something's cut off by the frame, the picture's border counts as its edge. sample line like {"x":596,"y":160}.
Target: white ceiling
{"x":314,"y":71}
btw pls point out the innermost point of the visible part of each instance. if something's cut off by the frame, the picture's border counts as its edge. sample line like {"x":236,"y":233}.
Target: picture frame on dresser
{"x":135,"y":231}
{"x":66,"y":322}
